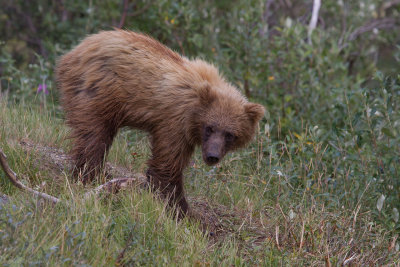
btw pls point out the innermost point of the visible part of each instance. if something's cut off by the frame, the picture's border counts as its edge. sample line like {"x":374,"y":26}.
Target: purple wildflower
{"x":42,"y":88}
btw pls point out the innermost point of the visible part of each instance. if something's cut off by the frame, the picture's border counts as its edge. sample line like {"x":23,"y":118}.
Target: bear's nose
{"x":212,"y":159}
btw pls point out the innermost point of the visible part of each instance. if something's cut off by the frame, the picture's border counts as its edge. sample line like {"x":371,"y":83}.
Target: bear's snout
{"x":212,"y":159}
{"x":213,"y":148}
{"x":212,"y":154}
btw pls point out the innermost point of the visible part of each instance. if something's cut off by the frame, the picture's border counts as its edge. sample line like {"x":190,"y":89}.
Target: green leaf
{"x":388,"y":132}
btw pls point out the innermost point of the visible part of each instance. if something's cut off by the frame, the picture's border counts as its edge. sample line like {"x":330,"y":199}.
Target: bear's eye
{"x":229,"y":137}
{"x":209,"y":130}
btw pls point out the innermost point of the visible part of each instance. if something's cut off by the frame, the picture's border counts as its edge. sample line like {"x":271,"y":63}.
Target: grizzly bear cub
{"x":122,"y":78}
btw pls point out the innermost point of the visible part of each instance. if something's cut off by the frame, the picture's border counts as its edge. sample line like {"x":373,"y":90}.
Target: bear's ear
{"x":206,"y":95}
{"x":254,"y":111}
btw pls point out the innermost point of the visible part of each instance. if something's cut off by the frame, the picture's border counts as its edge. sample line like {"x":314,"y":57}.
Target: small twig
{"x":124,"y":11}
{"x":240,"y":228}
{"x":355,"y":216}
{"x":349,"y":259}
{"x":121,"y":255}
{"x":112,"y":186}
{"x":179,"y":43}
{"x":143,"y":9}
{"x":277,"y":236}
{"x":176,"y":39}
{"x":314,"y":18}
{"x":283,"y":214}
{"x":302,"y":236}
{"x":385,"y":23}
{"x":393,"y":243}
{"x":134,"y":14}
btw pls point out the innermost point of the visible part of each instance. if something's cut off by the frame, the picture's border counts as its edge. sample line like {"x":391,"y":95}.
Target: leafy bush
{"x":33,"y":84}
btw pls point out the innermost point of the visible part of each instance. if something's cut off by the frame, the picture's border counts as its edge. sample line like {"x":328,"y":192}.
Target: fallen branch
{"x":12,"y":176}
{"x":112,"y":186}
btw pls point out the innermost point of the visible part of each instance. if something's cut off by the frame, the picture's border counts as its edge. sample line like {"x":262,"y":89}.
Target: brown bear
{"x":121,"y":78}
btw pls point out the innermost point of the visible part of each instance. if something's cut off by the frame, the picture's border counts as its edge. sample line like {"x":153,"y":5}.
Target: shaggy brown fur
{"x":122,"y":78}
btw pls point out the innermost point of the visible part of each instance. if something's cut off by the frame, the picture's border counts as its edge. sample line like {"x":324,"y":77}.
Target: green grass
{"x":291,"y":200}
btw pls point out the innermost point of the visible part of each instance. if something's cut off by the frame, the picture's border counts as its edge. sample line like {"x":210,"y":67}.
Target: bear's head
{"x":227,"y":121}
